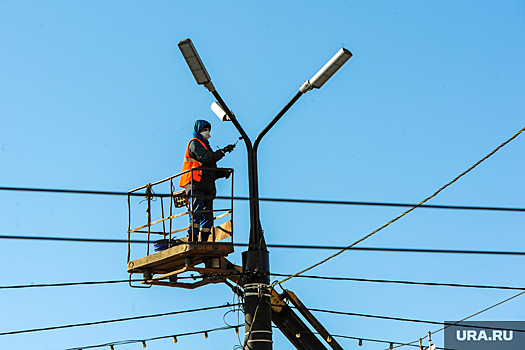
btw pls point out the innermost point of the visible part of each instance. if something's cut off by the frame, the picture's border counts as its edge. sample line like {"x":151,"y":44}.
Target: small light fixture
{"x":298,"y":335}
{"x":236,"y":330}
{"x":111,"y":347}
{"x":143,"y":344}
{"x":175,"y":339}
{"x":327,"y":71}
{"x":219,"y":112}
{"x":329,"y":339}
{"x":360,"y":342}
{"x":205,"y":335}
{"x":196,"y":66}
{"x":391,"y":346}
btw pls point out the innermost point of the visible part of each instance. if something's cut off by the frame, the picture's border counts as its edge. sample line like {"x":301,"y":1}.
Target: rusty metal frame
{"x":150,"y":194}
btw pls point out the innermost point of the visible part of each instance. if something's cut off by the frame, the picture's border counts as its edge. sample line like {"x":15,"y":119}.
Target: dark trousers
{"x":201,"y":216}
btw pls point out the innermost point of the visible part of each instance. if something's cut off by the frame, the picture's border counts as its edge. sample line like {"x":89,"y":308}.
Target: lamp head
{"x":195,"y":63}
{"x":328,"y":70}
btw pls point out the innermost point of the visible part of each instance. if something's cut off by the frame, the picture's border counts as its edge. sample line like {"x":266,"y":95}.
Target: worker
{"x":199,"y":185}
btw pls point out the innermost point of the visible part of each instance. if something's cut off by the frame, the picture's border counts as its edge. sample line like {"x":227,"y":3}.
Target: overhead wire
{"x":328,"y":278}
{"x":312,"y":310}
{"x":84,"y":283}
{"x":180,"y":335}
{"x":279,"y":200}
{"x":114,"y":320}
{"x":406,"y":212}
{"x":284,"y":246}
{"x":174,"y":336}
{"x":373,"y":340}
{"x":390,"y":318}
{"x":342,"y":250}
{"x":361,"y":339}
{"x":466,"y":318}
{"x":403,"y":282}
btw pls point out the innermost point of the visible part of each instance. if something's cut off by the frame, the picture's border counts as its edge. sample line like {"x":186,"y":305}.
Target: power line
{"x":67,"y":284}
{"x":404,"y":282}
{"x":116,"y":320}
{"x":351,"y":279}
{"x":237,"y":304}
{"x":84,"y":283}
{"x":361,"y":339}
{"x":390,"y":318}
{"x":371,"y":340}
{"x":284,"y":246}
{"x":344,"y":313}
{"x":180,"y":335}
{"x":466,"y":318}
{"x":174,"y":336}
{"x":381,"y":204}
{"x":406,"y":212}
{"x":281,"y":200}
{"x":405,"y":250}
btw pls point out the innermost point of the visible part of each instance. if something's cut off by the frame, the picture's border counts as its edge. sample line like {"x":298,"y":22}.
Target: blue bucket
{"x":161,"y":245}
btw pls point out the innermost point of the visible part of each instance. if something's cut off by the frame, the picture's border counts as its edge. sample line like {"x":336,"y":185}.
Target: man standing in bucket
{"x":199,"y":185}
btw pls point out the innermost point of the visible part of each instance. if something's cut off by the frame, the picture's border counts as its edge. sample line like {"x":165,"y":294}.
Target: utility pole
{"x":256,"y":260}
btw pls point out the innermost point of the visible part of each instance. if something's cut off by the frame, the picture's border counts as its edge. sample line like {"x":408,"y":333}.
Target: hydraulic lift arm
{"x":290,"y":324}
{"x":297,"y":332}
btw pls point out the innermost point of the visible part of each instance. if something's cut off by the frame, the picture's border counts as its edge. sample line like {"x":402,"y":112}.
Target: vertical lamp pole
{"x":255,"y":261}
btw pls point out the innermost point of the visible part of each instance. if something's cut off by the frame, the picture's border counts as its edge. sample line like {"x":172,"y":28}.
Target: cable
{"x":315,"y":310}
{"x":466,"y":318}
{"x":174,"y":336}
{"x":281,"y":200}
{"x":251,"y":326}
{"x":123,"y":342}
{"x":361,"y":339}
{"x":404,"y":319}
{"x":285,"y":246}
{"x":404,"y":282}
{"x":406,"y":212}
{"x":379,"y":204}
{"x":390,"y":318}
{"x":67,"y":284}
{"x":115,"y":320}
{"x":371,"y":340}
{"x":405,"y":250}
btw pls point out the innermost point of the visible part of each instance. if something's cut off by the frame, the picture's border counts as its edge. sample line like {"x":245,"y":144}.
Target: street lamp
{"x":329,"y":69}
{"x":194,"y":62}
{"x":256,"y":261}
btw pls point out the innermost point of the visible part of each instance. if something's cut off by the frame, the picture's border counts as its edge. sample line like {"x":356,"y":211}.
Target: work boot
{"x":204,"y":234}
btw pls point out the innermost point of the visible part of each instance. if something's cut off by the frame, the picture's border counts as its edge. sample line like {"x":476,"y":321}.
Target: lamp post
{"x":255,"y":261}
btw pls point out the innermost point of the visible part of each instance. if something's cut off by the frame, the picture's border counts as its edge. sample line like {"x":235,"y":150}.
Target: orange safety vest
{"x":190,"y":163}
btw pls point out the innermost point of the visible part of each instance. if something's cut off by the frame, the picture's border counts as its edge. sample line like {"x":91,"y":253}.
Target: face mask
{"x":205,"y":134}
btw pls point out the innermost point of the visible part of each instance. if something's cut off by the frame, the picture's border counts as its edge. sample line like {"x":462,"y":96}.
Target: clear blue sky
{"x":95,"y":95}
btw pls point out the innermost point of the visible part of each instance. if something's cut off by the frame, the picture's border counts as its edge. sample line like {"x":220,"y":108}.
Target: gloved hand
{"x":228,"y":148}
